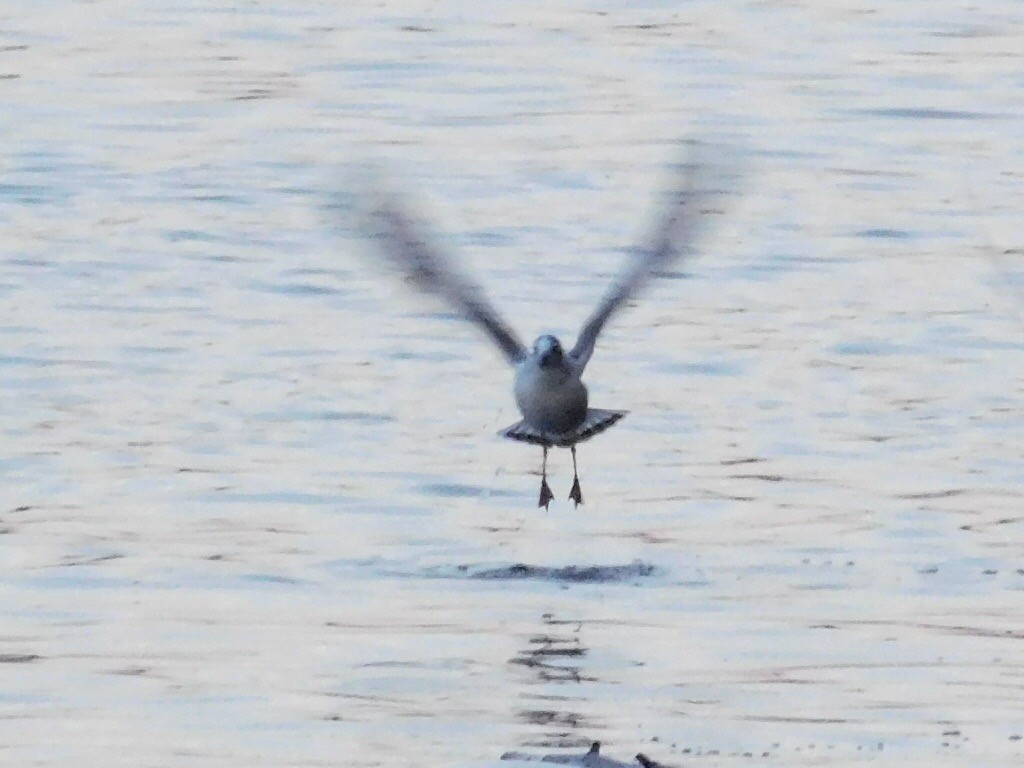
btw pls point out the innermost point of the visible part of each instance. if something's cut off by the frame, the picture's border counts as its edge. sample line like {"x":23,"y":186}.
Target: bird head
{"x":548,"y":350}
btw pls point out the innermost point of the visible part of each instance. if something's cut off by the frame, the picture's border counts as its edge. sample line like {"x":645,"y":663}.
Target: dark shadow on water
{"x":460,"y":491}
{"x":569,"y":574}
{"x":927,"y":113}
{"x":885,"y":234}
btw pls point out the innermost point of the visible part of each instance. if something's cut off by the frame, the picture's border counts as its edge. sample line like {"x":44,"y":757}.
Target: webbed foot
{"x":576,"y":494}
{"x":546,"y":496}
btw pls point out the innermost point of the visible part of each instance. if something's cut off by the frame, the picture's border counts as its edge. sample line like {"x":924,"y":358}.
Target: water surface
{"x":254,"y":511}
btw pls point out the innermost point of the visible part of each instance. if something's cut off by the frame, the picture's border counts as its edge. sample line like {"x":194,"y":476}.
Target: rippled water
{"x":254,"y":511}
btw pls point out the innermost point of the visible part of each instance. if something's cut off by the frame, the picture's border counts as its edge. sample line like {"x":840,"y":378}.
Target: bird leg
{"x":545,"y":490}
{"x":576,"y":494}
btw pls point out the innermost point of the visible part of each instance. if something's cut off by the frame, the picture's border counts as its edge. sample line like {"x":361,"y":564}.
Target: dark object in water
{"x":592,"y":759}
{"x":646,"y":762}
{"x":575,"y":574}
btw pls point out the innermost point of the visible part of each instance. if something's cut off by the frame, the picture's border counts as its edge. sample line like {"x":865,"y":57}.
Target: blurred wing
{"x":674,"y":234}
{"x":409,"y":250}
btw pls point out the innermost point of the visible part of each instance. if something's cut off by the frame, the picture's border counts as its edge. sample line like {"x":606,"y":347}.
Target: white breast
{"x":550,"y":398}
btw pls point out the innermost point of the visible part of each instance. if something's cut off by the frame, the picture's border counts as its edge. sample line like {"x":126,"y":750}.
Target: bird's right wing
{"x":674,"y":234}
{"x":408,"y":249}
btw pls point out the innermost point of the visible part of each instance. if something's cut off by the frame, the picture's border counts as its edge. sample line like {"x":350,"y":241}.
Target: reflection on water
{"x":253,"y":511}
{"x":554,"y":657}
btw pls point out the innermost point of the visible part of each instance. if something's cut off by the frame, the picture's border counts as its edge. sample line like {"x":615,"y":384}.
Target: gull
{"x":548,"y":386}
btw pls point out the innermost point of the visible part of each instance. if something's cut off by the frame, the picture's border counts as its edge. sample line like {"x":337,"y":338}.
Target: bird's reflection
{"x":554,"y":656}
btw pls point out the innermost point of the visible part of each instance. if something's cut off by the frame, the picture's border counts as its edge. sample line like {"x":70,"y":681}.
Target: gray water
{"x":254,"y":511}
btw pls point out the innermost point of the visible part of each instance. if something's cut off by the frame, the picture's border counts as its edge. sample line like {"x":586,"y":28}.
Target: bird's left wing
{"x":408,"y":249}
{"x":674,"y":235}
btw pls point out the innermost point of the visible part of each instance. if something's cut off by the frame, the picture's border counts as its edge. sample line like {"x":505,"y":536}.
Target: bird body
{"x":553,"y":400}
{"x":549,"y":392}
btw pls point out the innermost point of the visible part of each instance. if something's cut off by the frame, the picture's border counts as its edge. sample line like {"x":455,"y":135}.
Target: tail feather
{"x":596,"y":421}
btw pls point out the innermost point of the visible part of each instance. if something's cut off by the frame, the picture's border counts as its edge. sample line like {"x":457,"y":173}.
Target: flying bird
{"x":549,"y":390}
